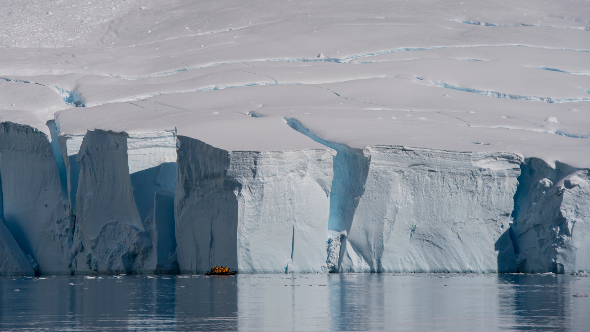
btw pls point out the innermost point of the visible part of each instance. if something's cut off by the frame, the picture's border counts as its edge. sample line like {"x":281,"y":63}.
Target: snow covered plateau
{"x":144,"y":136}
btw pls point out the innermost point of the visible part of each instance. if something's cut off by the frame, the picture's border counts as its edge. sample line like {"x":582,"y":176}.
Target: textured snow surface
{"x":156,"y":136}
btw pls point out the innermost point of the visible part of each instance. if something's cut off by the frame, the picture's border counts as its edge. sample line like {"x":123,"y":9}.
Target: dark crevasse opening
{"x":1,"y":195}
{"x":526,"y":172}
{"x":73,"y":97}
{"x":74,"y":176}
{"x":148,"y":182}
{"x":507,"y":245}
{"x":535,"y":205}
{"x":165,"y":233}
{"x":58,"y":156}
{"x":351,"y":168}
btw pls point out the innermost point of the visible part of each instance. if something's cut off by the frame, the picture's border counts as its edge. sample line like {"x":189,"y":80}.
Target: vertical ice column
{"x":70,"y":146}
{"x":284,"y":206}
{"x":350,"y":169}
{"x":251,"y":210}
{"x":205,"y":208}
{"x":33,"y":207}
{"x":432,"y":211}
{"x":109,"y":235}
{"x":552,"y":218}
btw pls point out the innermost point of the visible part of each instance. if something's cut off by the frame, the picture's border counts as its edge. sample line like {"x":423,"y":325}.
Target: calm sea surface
{"x":304,"y":302}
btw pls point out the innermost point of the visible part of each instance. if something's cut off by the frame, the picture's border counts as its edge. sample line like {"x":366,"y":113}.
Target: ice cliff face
{"x":121,"y":181}
{"x":34,"y":207}
{"x":255,"y":211}
{"x":103,"y":208}
{"x":154,"y":202}
{"x":431,"y":211}
{"x":552,"y":218}
{"x":109,"y":235}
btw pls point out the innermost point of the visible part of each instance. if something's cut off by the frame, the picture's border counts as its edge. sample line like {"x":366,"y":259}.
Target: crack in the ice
{"x":343,"y":60}
{"x":19,"y":81}
{"x":348,"y":98}
{"x":251,"y":84}
{"x":52,"y":125}
{"x":134,"y":104}
{"x":72,"y":98}
{"x":564,"y":71}
{"x":503,"y":95}
{"x":557,"y":132}
{"x":488,"y":24}
{"x":207,"y":89}
{"x":455,"y":117}
{"x":350,"y":169}
{"x":561,"y":133}
{"x":254,"y":73}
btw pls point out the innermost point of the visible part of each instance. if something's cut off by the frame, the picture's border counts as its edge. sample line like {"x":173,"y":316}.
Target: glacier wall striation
{"x":432,"y":211}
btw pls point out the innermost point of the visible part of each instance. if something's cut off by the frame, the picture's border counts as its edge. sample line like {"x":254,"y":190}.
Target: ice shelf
{"x":333,"y":136}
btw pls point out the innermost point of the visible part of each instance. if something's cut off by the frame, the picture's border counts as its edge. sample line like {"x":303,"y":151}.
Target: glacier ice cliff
{"x":431,"y":211}
{"x":255,"y":211}
{"x":552,"y":218}
{"x":109,"y":234}
{"x":158,"y":202}
{"x":34,"y":207}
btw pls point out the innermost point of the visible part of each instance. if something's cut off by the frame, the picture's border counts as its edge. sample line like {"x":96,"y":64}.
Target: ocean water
{"x":299,"y":302}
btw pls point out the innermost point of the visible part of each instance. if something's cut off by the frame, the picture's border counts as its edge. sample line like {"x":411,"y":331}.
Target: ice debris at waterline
{"x":322,"y":137}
